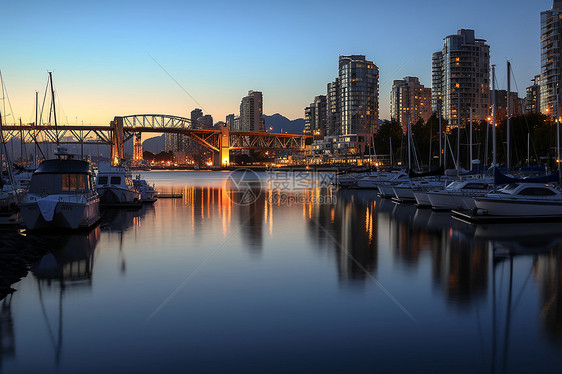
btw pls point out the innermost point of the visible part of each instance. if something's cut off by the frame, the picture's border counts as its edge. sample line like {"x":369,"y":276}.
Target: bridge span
{"x":123,"y":128}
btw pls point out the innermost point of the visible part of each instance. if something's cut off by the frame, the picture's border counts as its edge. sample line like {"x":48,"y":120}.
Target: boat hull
{"x":519,"y":207}
{"x":67,"y":215}
{"x":110,"y":195}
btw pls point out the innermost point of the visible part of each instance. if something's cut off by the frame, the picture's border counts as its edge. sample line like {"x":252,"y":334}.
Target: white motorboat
{"x":148,"y":192}
{"x":375,"y":181}
{"x":459,"y":195}
{"x":522,"y":200}
{"x":404,"y":192}
{"x":115,"y":186}
{"x":61,"y":195}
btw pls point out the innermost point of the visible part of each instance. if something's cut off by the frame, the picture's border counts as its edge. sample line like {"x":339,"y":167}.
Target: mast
{"x":508,"y":157}
{"x":409,"y":152}
{"x":440,"y":134}
{"x":494,"y":117}
{"x":391,"y":161}
{"x":53,"y":106}
{"x":458,"y":130}
{"x":36,"y":110}
{"x":470,"y":152}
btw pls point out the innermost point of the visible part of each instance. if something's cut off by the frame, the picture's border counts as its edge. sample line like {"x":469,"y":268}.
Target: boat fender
{"x":481,"y":212}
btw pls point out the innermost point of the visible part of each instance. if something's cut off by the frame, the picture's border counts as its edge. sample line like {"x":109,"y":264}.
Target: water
{"x":349,"y":283}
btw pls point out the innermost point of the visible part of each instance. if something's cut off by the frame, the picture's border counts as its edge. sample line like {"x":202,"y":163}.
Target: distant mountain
{"x":279,"y":123}
{"x":154,"y":145}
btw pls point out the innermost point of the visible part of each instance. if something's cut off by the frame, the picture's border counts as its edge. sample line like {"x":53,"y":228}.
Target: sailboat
{"x":62,"y":193}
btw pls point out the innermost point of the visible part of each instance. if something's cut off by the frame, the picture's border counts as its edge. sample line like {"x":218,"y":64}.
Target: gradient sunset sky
{"x":116,"y":57}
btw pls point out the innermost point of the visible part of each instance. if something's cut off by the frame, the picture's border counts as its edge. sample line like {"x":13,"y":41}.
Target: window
{"x":115,"y":180}
{"x":536,"y":192}
{"x":102,"y":180}
{"x":73,"y":182}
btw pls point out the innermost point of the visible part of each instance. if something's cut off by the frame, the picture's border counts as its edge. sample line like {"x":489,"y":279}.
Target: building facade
{"x":533,"y":96}
{"x":409,"y":101}
{"x":359,"y":97}
{"x":251,"y":112}
{"x":333,"y":105}
{"x":551,"y":37}
{"x":462,"y":69}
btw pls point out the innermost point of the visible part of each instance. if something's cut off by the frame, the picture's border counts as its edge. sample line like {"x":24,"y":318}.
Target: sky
{"x":114,"y":58}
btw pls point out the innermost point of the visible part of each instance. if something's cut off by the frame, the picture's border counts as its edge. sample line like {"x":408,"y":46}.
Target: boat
{"x":459,"y":195}
{"x":61,"y":195}
{"x":115,"y":186}
{"x":404,"y":192}
{"x":147,"y":191}
{"x":521,"y":200}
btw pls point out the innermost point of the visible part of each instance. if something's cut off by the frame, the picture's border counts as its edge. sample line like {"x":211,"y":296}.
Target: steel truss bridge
{"x":122,"y":129}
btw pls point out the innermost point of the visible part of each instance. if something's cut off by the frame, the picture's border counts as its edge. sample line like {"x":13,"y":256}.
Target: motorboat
{"x":148,"y":192}
{"x":382,"y":179}
{"x":521,"y":200}
{"x":459,"y":195}
{"x":115,"y":186}
{"x":61,"y":195}
{"x":404,"y":192}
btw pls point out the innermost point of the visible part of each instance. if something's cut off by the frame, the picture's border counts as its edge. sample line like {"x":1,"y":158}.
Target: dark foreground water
{"x":300,"y":280}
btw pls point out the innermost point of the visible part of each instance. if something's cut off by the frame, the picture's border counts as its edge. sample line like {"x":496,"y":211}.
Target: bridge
{"x":123,"y":128}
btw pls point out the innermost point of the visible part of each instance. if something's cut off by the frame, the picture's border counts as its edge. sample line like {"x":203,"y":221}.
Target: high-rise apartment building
{"x":551,"y":69}
{"x":333,"y":105}
{"x":251,"y":112}
{"x":359,"y":97}
{"x":195,"y":114}
{"x":533,"y":96}
{"x":315,"y":117}
{"x":409,"y":101}
{"x":436,"y":81}
{"x":464,"y":63}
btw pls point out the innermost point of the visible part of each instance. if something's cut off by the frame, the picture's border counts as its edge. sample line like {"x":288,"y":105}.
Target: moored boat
{"x":61,"y":195}
{"x":147,"y":191}
{"x":521,"y":200}
{"x":115,"y":186}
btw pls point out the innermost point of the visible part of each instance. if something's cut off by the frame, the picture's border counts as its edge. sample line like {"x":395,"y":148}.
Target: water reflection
{"x":481,"y":292}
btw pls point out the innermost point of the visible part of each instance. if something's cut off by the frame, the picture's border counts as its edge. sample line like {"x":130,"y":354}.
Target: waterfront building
{"x":333,"y":105}
{"x":409,"y":101}
{"x":195,"y":114}
{"x":315,"y":117}
{"x":251,"y":112}
{"x":501,"y":104}
{"x":359,"y":100}
{"x":230,"y":121}
{"x":206,"y":121}
{"x":436,"y":81}
{"x":551,"y":69}
{"x":533,"y":96}
{"x":462,"y":68}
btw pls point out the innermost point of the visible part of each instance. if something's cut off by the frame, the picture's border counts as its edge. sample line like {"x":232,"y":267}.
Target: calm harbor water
{"x":318,"y":281}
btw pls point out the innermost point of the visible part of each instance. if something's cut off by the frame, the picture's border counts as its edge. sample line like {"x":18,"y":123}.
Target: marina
{"x":358,"y":283}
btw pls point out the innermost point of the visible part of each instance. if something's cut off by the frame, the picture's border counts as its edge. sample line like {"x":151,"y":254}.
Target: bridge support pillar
{"x":222,"y":157}
{"x":116,"y":140}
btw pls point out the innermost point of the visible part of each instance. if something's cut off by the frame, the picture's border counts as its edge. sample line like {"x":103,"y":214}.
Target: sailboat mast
{"x":53,"y":106}
{"x":508,"y":158}
{"x":470,"y":152}
{"x":409,"y":152}
{"x":494,"y":116}
{"x":458,"y":130}
{"x":440,"y":135}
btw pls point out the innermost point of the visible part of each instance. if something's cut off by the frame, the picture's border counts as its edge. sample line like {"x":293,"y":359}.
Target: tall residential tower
{"x":462,"y":68}
{"x":551,"y":69}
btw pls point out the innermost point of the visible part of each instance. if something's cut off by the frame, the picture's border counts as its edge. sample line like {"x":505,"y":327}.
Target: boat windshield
{"x":48,"y":184}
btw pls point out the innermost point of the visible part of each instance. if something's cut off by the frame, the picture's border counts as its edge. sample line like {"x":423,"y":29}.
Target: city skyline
{"x":116,"y":59}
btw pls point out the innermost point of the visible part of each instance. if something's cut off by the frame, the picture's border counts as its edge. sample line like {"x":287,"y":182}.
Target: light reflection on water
{"x":358,"y":285}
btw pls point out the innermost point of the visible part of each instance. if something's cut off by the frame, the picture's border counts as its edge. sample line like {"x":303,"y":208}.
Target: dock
{"x":170,"y":195}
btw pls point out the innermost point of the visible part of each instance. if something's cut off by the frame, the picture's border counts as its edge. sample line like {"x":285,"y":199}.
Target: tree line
{"x":532,"y":136}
